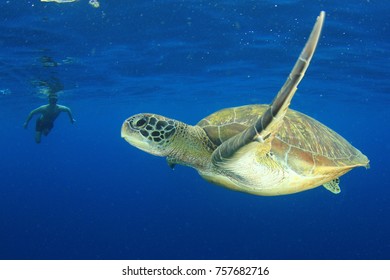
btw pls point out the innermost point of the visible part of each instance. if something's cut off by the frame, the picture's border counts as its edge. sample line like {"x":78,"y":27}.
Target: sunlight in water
{"x":93,"y":3}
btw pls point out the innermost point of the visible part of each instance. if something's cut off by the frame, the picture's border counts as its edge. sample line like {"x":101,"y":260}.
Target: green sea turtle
{"x":257,"y":149}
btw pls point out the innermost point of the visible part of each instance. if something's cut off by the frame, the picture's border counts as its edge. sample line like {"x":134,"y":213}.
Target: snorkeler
{"x":48,"y":113}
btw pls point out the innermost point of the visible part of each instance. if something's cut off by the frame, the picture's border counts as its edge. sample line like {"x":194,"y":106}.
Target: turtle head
{"x":150,"y":133}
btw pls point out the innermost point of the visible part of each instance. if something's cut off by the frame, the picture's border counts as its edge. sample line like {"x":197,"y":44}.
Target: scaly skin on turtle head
{"x":150,"y":133}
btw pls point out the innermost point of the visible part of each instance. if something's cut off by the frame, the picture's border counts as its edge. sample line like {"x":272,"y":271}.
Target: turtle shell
{"x":302,"y":143}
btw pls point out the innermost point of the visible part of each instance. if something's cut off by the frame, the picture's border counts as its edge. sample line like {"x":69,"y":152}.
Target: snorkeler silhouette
{"x":48,"y":113}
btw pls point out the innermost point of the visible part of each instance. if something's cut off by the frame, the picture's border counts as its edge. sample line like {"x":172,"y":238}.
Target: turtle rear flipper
{"x":268,"y":124}
{"x":333,"y":186}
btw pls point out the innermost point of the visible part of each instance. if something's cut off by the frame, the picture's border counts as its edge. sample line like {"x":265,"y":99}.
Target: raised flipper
{"x":268,"y":124}
{"x":333,"y":186}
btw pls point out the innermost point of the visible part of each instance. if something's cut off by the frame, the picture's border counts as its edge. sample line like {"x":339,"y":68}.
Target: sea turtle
{"x":258,"y":149}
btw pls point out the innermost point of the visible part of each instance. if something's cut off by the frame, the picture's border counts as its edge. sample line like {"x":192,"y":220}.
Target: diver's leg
{"x":48,"y":128}
{"x":38,"y":131}
{"x":38,"y":135}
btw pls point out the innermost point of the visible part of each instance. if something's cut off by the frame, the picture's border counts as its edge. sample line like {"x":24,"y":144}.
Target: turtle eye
{"x":139,"y":123}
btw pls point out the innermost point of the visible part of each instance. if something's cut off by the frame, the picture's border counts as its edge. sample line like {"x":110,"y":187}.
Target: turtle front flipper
{"x":268,"y":124}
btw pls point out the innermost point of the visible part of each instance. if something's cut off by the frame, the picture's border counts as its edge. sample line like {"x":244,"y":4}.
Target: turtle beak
{"x":130,"y":135}
{"x":135,"y":139}
{"x":125,"y":129}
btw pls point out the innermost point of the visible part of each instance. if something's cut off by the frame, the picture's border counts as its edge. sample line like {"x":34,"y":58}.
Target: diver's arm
{"x":66,"y":109}
{"x":32,"y":113}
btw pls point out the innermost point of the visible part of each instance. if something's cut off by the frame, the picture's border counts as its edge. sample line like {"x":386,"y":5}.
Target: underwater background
{"x":84,"y":193}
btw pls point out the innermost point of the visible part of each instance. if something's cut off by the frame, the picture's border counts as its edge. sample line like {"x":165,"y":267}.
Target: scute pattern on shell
{"x":226,"y":123}
{"x":302,"y":142}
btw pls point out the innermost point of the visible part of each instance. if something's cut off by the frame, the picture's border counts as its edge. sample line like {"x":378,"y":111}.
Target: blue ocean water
{"x":84,"y":193}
